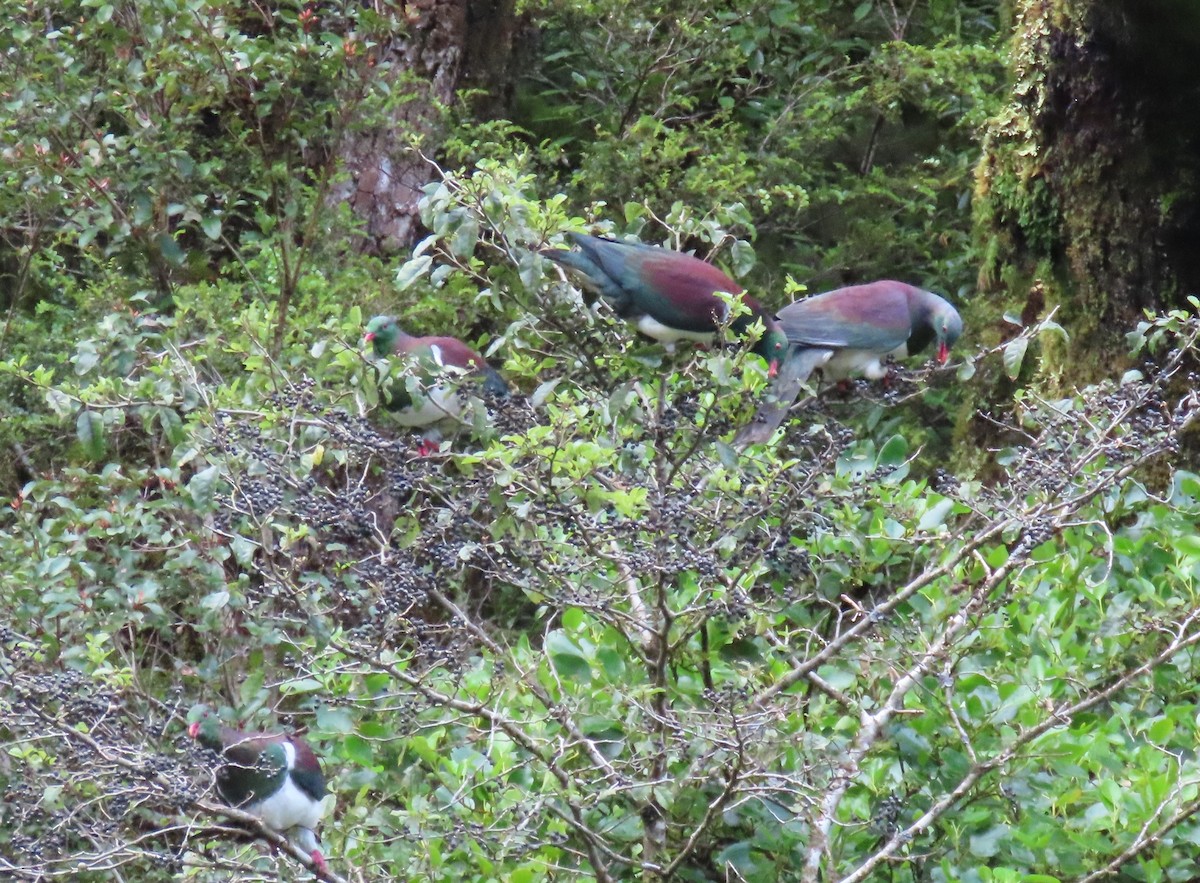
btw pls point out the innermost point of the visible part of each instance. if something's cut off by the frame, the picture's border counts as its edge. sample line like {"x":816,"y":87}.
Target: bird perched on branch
{"x":851,"y":332}
{"x":669,"y":295}
{"x":436,"y":366}
{"x":270,"y":775}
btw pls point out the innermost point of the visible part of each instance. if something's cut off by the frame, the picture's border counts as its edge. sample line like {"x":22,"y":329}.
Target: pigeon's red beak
{"x":194,"y":729}
{"x":772,"y":368}
{"x":943,"y":353}
{"x":369,"y":336}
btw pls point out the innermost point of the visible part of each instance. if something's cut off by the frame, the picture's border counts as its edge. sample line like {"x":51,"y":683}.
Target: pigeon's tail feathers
{"x":799,"y":365}
{"x":592,"y":273}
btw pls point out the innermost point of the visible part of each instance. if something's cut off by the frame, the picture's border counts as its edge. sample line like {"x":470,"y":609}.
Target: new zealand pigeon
{"x":433,"y":361}
{"x":852,"y":331}
{"x":668,"y":294}
{"x":271,"y":775}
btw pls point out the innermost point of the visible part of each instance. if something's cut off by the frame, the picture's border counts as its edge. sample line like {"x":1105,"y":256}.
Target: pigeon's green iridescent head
{"x":382,"y":333}
{"x":773,"y":346}
{"x":206,"y":730}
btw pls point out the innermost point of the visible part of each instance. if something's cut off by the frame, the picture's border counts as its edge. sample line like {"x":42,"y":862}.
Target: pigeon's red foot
{"x":319,"y":861}
{"x":426,"y":447}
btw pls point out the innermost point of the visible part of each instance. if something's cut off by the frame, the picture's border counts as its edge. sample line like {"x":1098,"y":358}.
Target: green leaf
{"x":377,"y":682}
{"x":211,"y":225}
{"x":572,"y":619}
{"x":840,"y":677}
{"x":857,"y":460}
{"x":740,"y":857}
{"x":170,"y":249}
{"x":894,"y":450}
{"x":172,"y":425}
{"x":465,"y":237}
{"x":742,"y":649}
{"x":202,"y":486}
{"x":1014,"y":355}
{"x":935,"y":515}
{"x":251,"y":689}
{"x":358,"y":750}
{"x":89,"y":427}
{"x":987,"y":843}
{"x":412,"y":270}
{"x":427,"y":747}
{"x":727,"y":454}
{"x":374,"y":730}
{"x":568,"y":660}
{"x":1049,"y":326}
{"x":243,"y":549}
{"x":215,"y":600}
{"x":1187,"y":545}
{"x":1161,"y":730}
{"x":334,"y":720}
{"x":543,"y":392}
{"x":85,"y":359}
{"x":1112,"y":792}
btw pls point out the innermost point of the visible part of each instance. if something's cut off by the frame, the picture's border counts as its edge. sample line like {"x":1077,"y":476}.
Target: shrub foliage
{"x":595,"y":639}
{"x":589,"y":639}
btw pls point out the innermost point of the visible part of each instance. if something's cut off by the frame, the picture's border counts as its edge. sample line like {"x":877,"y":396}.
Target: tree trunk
{"x":449,"y":43}
{"x":1090,"y":179}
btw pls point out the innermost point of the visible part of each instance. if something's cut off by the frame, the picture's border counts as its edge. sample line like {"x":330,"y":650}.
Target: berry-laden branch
{"x":1187,"y":636}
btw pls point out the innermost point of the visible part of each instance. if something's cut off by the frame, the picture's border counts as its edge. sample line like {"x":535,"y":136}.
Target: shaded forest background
{"x":941,"y":629}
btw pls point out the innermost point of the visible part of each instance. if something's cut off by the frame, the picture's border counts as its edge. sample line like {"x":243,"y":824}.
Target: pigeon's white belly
{"x":440,"y":403}
{"x":287,"y":808}
{"x":651,"y":327}
{"x":843,"y":364}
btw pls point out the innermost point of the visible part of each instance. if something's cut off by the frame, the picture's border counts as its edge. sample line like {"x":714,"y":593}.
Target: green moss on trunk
{"x":1080,"y":181}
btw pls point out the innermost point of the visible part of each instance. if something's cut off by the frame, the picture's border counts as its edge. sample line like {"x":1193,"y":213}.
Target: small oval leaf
{"x":171,"y":252}
{"x":89,"y":427}
{"x":1014,"y":355}
{"x":567,"y":658}
{"x":413,"y":270}
{"x":202,"y":487}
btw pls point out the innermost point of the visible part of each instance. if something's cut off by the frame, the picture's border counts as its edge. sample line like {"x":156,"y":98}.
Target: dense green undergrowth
{"x":595,"y":641}
{"x":592,"y":640}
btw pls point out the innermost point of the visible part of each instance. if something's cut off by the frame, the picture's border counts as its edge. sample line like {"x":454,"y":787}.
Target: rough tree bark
{"x":1090,"y":179}
{"x":450,"y":44}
